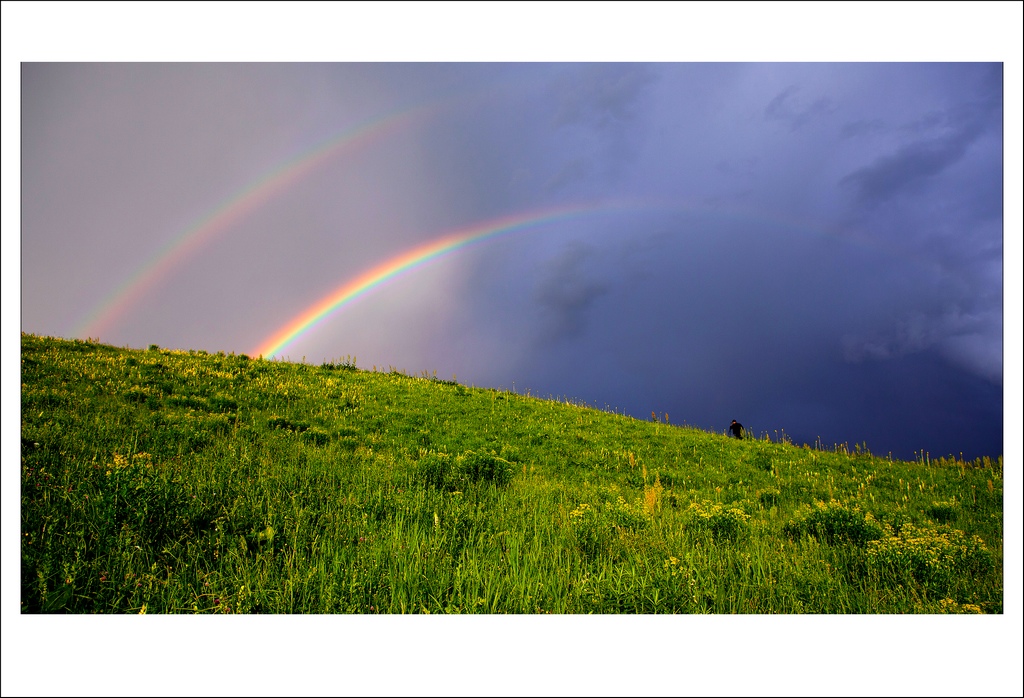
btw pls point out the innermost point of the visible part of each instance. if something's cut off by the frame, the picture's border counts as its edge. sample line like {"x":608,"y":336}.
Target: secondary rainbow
{"x":227,"y":214}
{"x":408,"y":260}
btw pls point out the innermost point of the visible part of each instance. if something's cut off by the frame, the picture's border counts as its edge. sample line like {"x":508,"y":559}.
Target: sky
{"x":804,"y":232}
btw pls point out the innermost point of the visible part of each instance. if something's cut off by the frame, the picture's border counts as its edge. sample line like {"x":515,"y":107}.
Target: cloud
{"x":597,"y":109}
{"x":862,"y":127}
{"x":787,"y":108}
{"x":566,"y":293}
{"x":744,"y":167}
{"x":909,"y":166}
{"x":945,"y":139}
{"x":571,"y":171}
{"x":602,"y":96}
{"x":911,"y":335}
{"x":969,"y":340}
{"x":978,"y":352}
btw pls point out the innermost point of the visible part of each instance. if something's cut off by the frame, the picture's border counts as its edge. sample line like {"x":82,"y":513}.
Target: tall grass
{"x":164,"y":481}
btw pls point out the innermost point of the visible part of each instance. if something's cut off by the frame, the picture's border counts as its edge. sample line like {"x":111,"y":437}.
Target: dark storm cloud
{"x":929,"y":188}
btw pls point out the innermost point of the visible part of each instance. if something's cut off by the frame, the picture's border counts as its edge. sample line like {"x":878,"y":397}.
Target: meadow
{"x":164,"y":481}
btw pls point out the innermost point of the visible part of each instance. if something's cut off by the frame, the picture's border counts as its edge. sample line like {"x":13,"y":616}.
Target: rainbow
{"x":416,"y":257}
{"x":116,"y":304}
{"x":411,"y":259}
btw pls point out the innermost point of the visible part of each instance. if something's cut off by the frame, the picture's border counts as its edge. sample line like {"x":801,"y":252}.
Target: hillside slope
{"x":170,"y":481}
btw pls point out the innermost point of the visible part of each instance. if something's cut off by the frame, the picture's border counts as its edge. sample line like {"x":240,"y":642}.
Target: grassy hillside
{"x":163,"y":481}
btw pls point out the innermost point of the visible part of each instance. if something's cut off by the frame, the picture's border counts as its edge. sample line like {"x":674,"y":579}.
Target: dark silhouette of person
{"x":736,"y":429}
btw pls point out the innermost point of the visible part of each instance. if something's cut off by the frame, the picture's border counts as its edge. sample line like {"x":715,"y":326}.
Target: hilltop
{"x":164,"y":481}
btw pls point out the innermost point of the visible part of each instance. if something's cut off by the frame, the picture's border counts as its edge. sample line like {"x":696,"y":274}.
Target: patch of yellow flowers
{"x":121,"y":462}
{"x":934,"y":557}
{"x":951,"y":606}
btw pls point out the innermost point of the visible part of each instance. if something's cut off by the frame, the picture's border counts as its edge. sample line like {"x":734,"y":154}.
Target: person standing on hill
{"x":736,"y":429}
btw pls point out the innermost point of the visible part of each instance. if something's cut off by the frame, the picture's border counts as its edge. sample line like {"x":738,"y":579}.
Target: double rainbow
{"x":224,"y":216}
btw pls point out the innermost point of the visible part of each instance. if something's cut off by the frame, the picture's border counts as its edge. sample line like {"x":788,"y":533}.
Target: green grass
{"x":164,"y":481}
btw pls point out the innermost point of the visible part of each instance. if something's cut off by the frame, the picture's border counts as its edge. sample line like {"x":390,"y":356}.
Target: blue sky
{"x":817,"y":241}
